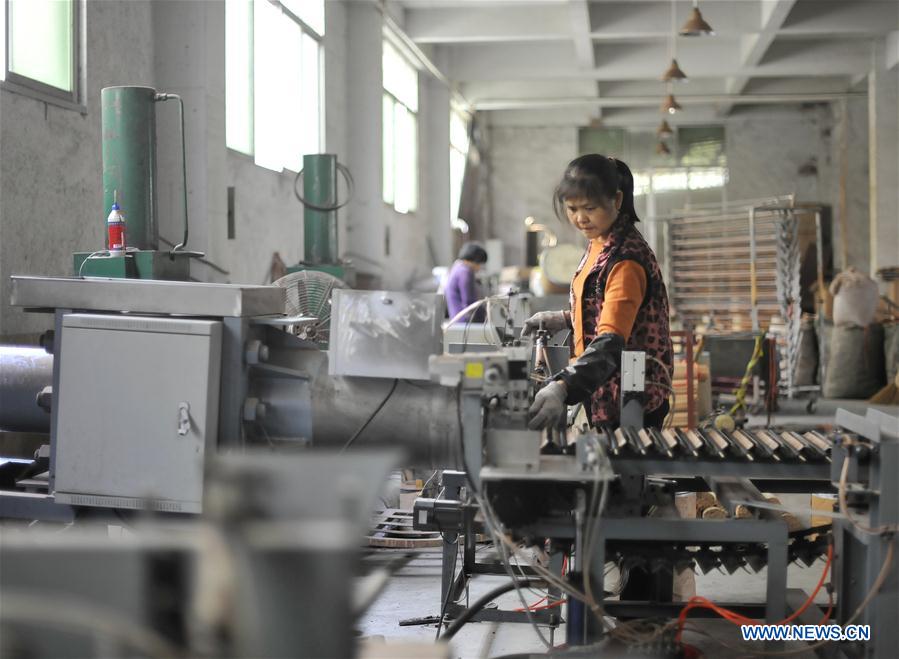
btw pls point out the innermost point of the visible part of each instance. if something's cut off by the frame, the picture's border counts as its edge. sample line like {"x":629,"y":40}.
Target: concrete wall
{"x":391,"y":249}
{"x":766,"y":147}
{"x":883,"y":125}
{"x":851,"y":159}
{"x":50,"y":169}
{"x":526,"y":163}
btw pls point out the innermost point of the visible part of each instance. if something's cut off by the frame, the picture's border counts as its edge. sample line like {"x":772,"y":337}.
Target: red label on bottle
{"x":116,"y":233}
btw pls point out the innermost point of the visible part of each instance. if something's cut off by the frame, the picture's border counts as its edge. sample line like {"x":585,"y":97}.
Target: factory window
{"x":40,"y":51}
{"x":400,"y":135}
{"x":273,"y":96}
{"x":458,"y":157}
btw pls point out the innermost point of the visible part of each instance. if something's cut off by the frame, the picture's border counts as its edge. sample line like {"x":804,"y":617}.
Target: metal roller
{"x":420,"y":417}
{"x":24,"y":372}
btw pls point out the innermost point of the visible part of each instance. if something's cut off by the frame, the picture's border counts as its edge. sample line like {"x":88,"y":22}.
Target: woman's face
{"x":592,"y":218}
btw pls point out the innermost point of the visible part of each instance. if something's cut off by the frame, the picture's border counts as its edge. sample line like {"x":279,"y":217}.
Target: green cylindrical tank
{"x":320,"y":226}
{"x":128,"y":120}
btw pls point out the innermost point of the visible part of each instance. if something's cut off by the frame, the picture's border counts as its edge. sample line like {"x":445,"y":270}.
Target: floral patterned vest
{"x":650,"y":333}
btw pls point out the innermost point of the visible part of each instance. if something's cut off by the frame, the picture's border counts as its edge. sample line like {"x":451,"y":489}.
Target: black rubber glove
{"x":593,"y":368}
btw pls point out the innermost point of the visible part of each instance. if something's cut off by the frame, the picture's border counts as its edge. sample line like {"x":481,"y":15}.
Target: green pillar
{"x":128,"y":119}
{"x":320,"y":227}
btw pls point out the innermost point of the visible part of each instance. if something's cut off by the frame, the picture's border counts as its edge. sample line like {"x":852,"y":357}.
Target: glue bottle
{"x":115,"y":229}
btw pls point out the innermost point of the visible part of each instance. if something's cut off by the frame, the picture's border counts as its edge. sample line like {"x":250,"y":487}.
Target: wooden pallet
{"x":392,"y":529}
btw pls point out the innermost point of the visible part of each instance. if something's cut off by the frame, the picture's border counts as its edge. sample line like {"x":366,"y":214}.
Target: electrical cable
{"x":481,"y":602}
{"x":88,"y":258}
{"x":471,"y":307}
{"x":875,"y":588}
{"x":500,"y":542}
{"x":744,"y":383}
{"x":669,"y":420}
{"x":844,"y":506}
{"x":738,"y":619}
{"x":167,"y":97}
{"x":350,"y":184}
{"x":371,"y":418}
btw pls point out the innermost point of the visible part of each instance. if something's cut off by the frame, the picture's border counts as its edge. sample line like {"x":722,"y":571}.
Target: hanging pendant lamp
{"x":696,"y":25}
{"x":671,"y":105}
{"x":664,"y":130}
{"x":662,"y":149}
{"x":674,"y":73}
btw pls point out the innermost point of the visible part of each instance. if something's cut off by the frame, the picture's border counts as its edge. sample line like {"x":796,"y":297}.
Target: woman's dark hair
{"x":472,"y":251}
{"x":598,"y":178}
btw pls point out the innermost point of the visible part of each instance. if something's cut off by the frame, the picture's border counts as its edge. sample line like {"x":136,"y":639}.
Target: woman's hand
{"x":552,"y":321}
{"x":549,"y":405}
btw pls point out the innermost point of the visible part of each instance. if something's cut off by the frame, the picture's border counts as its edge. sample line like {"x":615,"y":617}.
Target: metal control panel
{"x":137,"y":410}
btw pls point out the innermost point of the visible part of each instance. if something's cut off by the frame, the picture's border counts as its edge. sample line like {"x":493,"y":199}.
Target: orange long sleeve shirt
{"x":624,"y":293}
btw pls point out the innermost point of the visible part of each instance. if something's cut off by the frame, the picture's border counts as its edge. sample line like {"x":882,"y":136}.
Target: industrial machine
{"x":320,"y":206}
{"x":149,"y":376}
{"x":240,"y":434}
{"x":161,"y":391}
{"x":128,"y":122}
{"x":590,"y":507}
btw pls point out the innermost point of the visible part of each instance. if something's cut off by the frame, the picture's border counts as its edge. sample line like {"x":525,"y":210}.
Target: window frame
{"x":41,"y":91}
{"x":305,"y":30}
{"x":416,"y":180}
{"x":465,"y":118}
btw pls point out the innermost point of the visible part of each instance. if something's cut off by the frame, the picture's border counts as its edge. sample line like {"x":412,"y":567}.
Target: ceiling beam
{"x":713,"y":58}
{"x":579,"y":15}
{"x":892,"y":49}
{"x":841,"y":19}
{"x":653,"y":101}
{"x":485,"y":24}
{"x":754,"y":46}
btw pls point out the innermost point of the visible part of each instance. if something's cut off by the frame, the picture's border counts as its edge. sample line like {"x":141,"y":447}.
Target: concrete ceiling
{"x":605,"y":57}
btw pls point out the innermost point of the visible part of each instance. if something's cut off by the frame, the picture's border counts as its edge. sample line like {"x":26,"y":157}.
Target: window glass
{"x":400,"y":77}
{"x":40,"y":41}
{"x":702,"y":179}
{"x":2,"y":44}
{"x":406,"y":159}
{"x":388,"y":155}
{"x":311,"y":107}
{"x":671,"y":180}
{"x":290,"y":87}
{"x":267,"y":67}
{"x":458,"y":132}
{"x":311,"y":12}
{"x":273,"y":82}
{"x":400,"y":130}
{"x":458,"y":157}
{"x":239,"y":75}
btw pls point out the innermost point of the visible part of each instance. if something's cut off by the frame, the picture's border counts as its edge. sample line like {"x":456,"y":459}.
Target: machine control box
{"x":137,"y":410}
{"x":491,"y":372}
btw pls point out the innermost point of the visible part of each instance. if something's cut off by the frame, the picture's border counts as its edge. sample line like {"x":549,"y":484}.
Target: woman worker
{"x":461,"y":287}
{"x":618,"y":301}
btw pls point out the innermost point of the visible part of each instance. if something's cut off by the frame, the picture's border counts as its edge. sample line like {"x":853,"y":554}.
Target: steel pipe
{"x":24,"y":372}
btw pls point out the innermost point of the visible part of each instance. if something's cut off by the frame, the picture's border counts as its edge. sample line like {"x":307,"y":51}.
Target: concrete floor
{"x":415,"y":590}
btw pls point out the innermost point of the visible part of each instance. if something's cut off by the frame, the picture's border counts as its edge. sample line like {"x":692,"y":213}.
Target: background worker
{"x":618,"y":301}
{"x":462,"y":288}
